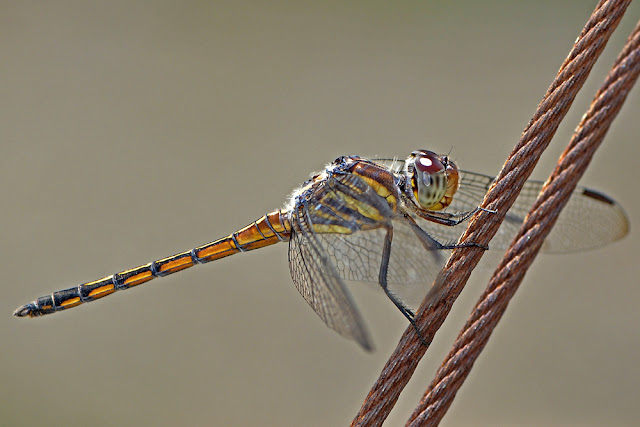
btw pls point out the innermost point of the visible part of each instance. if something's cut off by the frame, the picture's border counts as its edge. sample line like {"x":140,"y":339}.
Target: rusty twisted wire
{"x":451,"y":280}
{"x":525,"y":246}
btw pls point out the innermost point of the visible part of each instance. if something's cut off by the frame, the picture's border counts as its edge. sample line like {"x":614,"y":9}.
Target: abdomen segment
{"x":269,"y":229}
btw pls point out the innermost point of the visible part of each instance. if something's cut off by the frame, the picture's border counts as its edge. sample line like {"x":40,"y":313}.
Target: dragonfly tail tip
{"x":24,"y":311}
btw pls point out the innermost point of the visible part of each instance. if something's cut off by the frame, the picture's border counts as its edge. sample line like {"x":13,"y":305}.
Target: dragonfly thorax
{"x":433,"y":178}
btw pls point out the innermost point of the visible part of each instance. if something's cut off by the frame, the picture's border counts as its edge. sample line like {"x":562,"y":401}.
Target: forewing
{"x":589,"y":219}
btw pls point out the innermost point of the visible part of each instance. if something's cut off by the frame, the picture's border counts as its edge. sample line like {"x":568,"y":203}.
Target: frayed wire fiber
{"x":451,"y":280}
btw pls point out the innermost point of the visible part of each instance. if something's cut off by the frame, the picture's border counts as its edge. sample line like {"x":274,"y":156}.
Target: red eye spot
{"x":429,"y":162}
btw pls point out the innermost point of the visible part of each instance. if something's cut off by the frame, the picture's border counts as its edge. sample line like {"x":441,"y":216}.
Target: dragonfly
{"x":386,"y":221}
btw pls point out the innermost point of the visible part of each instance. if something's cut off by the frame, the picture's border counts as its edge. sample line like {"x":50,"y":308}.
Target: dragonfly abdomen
{"x":271,"y":228}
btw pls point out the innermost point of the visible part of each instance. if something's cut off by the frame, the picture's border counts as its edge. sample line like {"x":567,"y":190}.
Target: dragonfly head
{"x":434,"y":179}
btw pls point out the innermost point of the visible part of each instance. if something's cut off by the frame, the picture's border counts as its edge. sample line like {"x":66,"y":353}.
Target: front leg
{"x":431,"y":244}
{"x":446,"y":218}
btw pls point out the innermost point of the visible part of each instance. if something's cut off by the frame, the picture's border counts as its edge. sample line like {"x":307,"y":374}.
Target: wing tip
{"x":596,"y":195}
{"x":366,"y":343}
{"x":587,"y":192}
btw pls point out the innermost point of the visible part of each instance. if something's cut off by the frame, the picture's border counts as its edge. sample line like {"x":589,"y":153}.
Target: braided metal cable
{"x":525,"y":246}
{"x":451,"y":280}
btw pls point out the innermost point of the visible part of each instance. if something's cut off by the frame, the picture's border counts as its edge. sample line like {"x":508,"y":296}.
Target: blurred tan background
{"x":133,"y":130}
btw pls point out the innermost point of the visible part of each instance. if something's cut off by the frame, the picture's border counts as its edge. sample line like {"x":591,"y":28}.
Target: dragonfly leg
{"x":431,"y":244}
{"x":450,"y":219}
{"x":445,"y":218}
{"x":382,"y":279}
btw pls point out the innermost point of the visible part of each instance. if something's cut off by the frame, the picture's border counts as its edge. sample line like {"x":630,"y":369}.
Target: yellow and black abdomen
{"x":272,"y":228}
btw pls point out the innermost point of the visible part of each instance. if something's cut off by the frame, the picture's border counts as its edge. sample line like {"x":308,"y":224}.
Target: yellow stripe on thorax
{"x":364,"y":209}
{"x":380,"y":189}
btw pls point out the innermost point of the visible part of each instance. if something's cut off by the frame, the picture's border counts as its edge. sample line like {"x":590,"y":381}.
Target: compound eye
{"x":428,"y":162}
{"x":429,"y":180}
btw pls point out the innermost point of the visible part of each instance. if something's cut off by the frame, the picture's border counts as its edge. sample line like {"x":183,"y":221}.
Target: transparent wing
{"x":358,"y":256}
{"x":321,"y":262}
{"x":413,"y":262}
{"x":321,"y":286}
{"x":589,"y":219}
{"x":394,"y":165}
